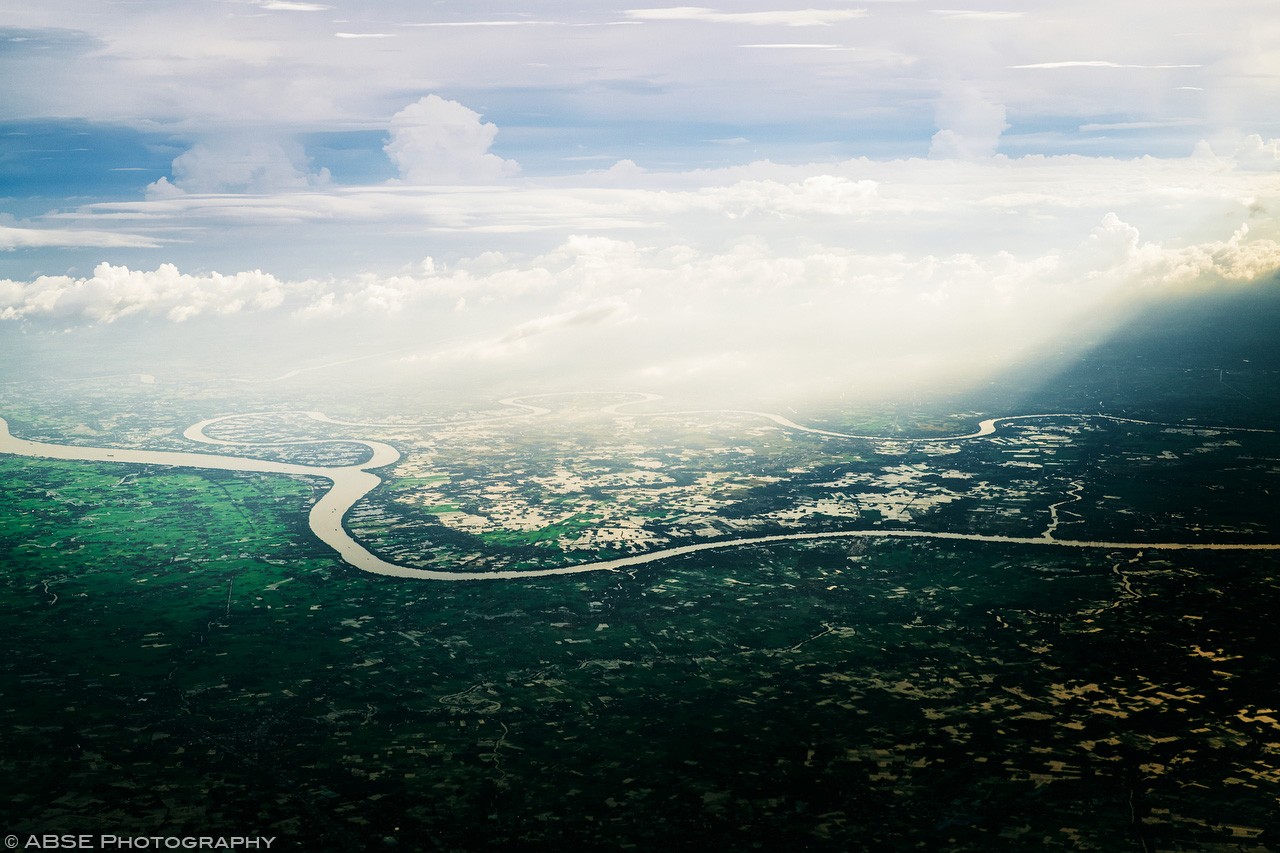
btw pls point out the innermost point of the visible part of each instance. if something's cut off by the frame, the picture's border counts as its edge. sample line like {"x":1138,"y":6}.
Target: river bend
{"x":350,"y":483}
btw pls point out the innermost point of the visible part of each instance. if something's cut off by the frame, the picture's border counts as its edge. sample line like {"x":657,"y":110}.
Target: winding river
{"x":350,"y":483}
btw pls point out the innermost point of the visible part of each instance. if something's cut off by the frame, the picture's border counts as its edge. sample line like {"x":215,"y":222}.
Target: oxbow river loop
{"x":350,"y":483}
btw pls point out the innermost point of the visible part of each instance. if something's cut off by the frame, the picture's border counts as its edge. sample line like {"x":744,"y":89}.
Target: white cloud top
{"x":860,"y":275}
{"x":745,"y":316}
{"x":238,"y":164}
{"x":969,"y":126}
{"x":113,"y":293}
{"x":918,"y":191}
{"x":278,"y":66}
{"x":436,"y":141}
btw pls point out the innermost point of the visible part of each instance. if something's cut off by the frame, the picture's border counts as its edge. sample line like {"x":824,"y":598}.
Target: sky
{"x":836,"y":199}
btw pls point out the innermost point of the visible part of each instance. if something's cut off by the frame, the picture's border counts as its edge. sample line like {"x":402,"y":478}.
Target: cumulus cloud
{"x":843,"y":268}
{"x":754,"y":320}
{"x":115,"y":292}
{"x":1114,"y":253}
{"x":1027,"y":206}
{"x":436,"y":141}
{"x":1254,"y":154}
{"x":862,"y":276}
{"x":239,"y":165}
{"x":1001,"y":202}
{"x":746,"y":316}
{"x":969,"y":125}
{"x":749,"y":318}
{"x":170,"y":66}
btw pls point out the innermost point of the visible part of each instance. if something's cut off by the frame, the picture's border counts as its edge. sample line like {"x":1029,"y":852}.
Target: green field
{"x":185,"y":658}
{"x":178,"y":668}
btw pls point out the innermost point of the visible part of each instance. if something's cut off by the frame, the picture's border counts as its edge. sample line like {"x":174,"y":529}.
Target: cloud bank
{"x":288,"y":66}
{"x":852,"y":277}
{"x":856,"y":279}
{"x":114,"y":293}
{"x":744,"y":318}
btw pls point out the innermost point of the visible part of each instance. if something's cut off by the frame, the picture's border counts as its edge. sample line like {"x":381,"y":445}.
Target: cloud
{"x":787,"y":18}
{"x":113,"y":293}
{"x":1094,"y":63}
{"x":792,"y":46}
{"x":814,"y":196}
{"x":1114,"y":253}
{"x":1094,"y":127}
{"x":171,"y":70}
{"x":42,"y":238}
{"x":753,"y":320}
{"x":976,"y":15}
{"x":1256,"y":155}
{"x":745,"y":316}
{"x":847,"y":246}
{"x":582,"y":317}
{"x":969,"y":125}
{"x":239,"y":164}
{"x":286,"y":6}
{"x":1023,"y":205}
{"x":487,"y":24}
{"x":57,"y":40}
{"x":435,"y":141}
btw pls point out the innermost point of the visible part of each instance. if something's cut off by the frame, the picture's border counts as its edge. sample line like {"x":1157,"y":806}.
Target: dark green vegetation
{"x":918,"y":695}
{"x":184,"y":658}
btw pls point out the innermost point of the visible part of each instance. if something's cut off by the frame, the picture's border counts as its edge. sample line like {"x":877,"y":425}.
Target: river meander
{"x":350,"y":483}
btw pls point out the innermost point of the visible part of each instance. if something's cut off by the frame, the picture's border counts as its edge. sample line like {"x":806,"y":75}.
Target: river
{"x":350,"y":483}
